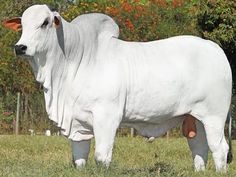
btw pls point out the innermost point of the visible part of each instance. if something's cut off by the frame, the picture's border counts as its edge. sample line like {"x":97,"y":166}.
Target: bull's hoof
{"x":150,"y":139}
{"x":80,"y":163}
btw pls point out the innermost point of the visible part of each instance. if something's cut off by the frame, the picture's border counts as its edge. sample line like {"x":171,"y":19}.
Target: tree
{"x":217,"y":22}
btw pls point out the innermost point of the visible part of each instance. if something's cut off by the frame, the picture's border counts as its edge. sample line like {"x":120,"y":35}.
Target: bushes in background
{"x":139,"y":20}
{"x":217,"y":21}
{"x":142,"y":20}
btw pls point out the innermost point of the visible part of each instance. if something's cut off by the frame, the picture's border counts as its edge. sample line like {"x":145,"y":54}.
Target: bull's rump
{"x":171,"y":77}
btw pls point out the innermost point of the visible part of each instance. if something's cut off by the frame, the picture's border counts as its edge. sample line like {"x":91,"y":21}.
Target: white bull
{"x":94,"y":83}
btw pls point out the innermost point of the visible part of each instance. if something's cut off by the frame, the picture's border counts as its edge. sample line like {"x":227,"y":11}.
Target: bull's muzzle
{"x":20,"y":49}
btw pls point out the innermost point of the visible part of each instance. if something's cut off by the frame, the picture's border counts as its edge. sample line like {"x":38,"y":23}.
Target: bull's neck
{"x":63,"y":64}
{"x":68,"y":54}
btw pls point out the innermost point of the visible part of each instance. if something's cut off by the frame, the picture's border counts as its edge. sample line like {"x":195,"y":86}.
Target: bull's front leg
{"x":80,"y":152}
{"x":105,"y":126}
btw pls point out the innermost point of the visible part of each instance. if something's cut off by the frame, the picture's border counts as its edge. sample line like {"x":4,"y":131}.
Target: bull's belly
{"x":156,"y":110}
{"x":154,"y":120}
{"x":153,"y":129}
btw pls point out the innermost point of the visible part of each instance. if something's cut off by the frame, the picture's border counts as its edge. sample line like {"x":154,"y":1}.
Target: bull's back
{"x":165,"y":78}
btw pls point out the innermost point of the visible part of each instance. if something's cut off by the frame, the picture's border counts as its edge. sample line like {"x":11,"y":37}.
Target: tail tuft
{"x":229,"y":122}
{"x":229,"y":157}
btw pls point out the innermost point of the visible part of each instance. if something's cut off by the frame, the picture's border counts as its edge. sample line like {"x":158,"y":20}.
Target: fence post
{"x":132,"y":132}
{"x":17,"y":114}
{"x":167,"y":135}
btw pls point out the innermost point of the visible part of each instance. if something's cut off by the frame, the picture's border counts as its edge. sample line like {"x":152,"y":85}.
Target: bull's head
{"x":37,"y":22}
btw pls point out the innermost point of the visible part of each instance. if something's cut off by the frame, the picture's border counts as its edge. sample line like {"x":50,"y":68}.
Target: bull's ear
{"x":14,"y":24}
{"x":57,"y":20}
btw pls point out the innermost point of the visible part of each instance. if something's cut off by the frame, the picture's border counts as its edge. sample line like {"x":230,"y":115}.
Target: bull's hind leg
{"x":199,"y":147}
{"x":216,"y":141}
{"x":80,"y":152}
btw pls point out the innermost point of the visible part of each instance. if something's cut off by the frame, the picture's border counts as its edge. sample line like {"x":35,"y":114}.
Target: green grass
{"x":26,"y":156}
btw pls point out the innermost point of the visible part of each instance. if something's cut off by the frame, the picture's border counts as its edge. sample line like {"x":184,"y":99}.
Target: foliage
{"x":217,"y":22}
{"x":139,"y":20}
{"x":6,"y":117}
{"x":32,"y":113}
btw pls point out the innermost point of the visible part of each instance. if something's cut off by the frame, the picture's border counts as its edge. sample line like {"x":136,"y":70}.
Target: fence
{"x":24,"y":113}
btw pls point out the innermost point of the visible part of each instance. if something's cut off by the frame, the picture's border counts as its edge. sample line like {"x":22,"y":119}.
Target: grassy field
{"x":27,"y":156}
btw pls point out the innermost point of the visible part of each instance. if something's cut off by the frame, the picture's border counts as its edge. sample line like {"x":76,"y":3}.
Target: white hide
{"x":94,"y":82}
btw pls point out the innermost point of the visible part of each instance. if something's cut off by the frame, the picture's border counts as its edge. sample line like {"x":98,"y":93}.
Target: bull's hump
{"x":97,"y":23}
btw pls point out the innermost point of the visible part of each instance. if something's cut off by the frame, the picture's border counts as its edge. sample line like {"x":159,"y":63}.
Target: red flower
{"x":177,"y":3}
{"x":113,"y":11}
{"x":136,"y":16}
{"x":129,"y":24}
{"x":139,"y":9}
{"x":162,"y":3}
{"x":127,"y":7}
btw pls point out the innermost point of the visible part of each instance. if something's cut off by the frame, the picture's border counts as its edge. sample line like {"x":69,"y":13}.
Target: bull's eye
{"x":45,"y":23}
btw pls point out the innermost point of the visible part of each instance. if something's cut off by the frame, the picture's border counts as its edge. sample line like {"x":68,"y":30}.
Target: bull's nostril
{"x":20,"y":49}
{"x":23,"y":47}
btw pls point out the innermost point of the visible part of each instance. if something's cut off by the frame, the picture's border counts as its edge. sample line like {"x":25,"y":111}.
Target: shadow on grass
{"x":158,"y":169}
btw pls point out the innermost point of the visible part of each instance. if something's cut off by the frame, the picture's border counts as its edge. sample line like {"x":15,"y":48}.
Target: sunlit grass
{"x":50,"y":156}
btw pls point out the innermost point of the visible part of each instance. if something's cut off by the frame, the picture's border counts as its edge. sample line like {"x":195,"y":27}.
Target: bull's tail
{"x":229,"y":123}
